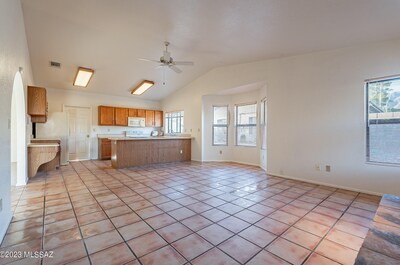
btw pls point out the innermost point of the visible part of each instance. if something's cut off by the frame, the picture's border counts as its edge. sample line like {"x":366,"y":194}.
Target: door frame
{"x":65,"y":107}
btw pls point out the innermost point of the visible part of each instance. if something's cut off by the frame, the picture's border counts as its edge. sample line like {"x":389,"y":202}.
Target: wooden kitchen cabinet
{"x":154,"y":118}
{"x":158,"y":118}
{"x":37,"y":104}
{"x":131,"y":152}
{"x":106,"y":115}
{"x":132,"y":113}
{"x":117,"y":116}
{"x":104,"y":149}
{"x":149,"y":118}
{"x":141,"y":113}
{"x":121,"y":116}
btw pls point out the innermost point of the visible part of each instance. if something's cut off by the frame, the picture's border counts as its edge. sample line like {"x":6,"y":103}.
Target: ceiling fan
{"x":167,"y":61}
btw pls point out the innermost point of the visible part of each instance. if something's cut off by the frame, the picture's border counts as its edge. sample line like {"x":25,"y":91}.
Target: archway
{"x":18,"y":133}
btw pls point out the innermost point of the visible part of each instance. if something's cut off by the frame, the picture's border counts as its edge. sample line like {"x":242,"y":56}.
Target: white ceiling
{"x":108,"y":36}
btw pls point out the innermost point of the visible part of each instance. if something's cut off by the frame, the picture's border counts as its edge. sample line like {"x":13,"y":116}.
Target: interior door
{"x":79,"y":123}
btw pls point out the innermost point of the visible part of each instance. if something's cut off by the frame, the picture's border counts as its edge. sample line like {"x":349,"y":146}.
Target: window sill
{"x":382,"y":164}
{"x":252,"y":146}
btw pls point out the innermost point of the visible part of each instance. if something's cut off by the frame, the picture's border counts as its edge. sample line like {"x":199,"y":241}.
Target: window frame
{"x":263,"y":124}
{"x":367,"y":119}
{"x":221,"y":125}
{"x":168,"y":121}
{"x":237,"y":126}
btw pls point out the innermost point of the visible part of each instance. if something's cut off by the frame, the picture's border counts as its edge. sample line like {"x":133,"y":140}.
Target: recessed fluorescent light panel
{"x":83,"y":76}
{"x":140,"y":89}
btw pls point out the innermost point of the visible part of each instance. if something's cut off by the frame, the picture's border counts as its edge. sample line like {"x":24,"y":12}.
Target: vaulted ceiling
{"x":109,"y":36}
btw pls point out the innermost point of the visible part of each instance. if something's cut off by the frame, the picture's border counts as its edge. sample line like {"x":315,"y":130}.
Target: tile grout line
{"x":137,"y":258}
{"x":330,"y":229}
{"x":117,"y":182}
{"x":278,"y":236}
{"x":155,"y":230}
{"x":13,"y":212}
{"x":244,"y":208}
{"x":76,"y":217}
{"x":44,"y":216}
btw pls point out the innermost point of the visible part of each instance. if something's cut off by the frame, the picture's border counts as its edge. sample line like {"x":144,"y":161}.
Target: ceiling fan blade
{"x":148,"y":60}
{"x":176,"y":69}
{"x":183,"y":63}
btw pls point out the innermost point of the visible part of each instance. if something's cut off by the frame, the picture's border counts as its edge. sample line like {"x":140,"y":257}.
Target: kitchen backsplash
{"x":113,"y":130}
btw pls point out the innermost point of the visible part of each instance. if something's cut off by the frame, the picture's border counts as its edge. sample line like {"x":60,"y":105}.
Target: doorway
{"x":18,"y":133}
{"x":79,"y":128}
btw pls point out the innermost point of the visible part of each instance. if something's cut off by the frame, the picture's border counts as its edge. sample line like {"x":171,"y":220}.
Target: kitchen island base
{"x":139,"y":152}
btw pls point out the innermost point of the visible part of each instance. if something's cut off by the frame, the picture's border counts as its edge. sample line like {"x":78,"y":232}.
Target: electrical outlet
{"x":328,"y":168}
{"x":220,"y":152}
{"x":181,"y":152}
{"x":317,"y":167}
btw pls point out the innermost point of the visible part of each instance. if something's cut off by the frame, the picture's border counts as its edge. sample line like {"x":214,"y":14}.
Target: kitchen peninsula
{"x":129,"y":152}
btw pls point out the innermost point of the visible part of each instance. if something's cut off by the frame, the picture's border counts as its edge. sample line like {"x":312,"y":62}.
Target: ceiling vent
{"x":55,"y":64}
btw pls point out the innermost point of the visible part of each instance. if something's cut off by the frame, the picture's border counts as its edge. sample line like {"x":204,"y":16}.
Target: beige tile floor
{"x":184,"y":213}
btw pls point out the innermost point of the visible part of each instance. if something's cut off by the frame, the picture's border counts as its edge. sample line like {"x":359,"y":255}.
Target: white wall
{"x":13,"y":54}
{"x":58,"y":97}
{"x":242,"y":154}
{"x":315,"y":112}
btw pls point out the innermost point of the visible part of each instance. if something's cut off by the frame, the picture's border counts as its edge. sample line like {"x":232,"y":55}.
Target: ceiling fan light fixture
{"x":83,"y":76}
{"x":142,"y":87}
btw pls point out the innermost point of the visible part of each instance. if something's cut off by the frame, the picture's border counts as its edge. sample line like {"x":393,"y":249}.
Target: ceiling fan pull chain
{"x":163,"y":76}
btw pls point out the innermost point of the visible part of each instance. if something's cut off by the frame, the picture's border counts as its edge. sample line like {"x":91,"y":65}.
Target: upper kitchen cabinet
{"x":132,"y":113}
{"x":106,"y":115}
{"x":121,"y":116}
{"x":117,"y":116}
{"x":158,"y":118}
{"x":154,"y":118}
{"x":141,"y":113}
{"x":37,"y":104}
{"x":149,"y":118}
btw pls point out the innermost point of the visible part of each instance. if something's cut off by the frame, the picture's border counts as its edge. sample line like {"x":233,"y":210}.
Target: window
{"x":246,"y":124}
{"x":220,"y":125}
{"x":383,"y":120}
{"x":174,"y":122}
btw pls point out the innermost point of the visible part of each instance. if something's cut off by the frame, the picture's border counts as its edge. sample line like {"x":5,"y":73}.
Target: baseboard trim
{"x":325,"y":184}
{"x":229,"y":161}
{"x":245,"y":163}
{"x":3,"y":231}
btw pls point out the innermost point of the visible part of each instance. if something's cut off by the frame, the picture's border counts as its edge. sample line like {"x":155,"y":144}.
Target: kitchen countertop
{"x":47,"y":139}
{"x":43,"y":145}
{"x":106,"y":136}
{"x":151,"y":138}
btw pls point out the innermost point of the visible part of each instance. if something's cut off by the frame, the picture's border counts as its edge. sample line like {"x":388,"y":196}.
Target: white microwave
{"x":136,"y":122}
